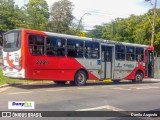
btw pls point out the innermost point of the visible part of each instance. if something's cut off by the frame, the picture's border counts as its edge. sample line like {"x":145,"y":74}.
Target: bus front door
{"x":106,"y":58}
{"x":149,"y":63}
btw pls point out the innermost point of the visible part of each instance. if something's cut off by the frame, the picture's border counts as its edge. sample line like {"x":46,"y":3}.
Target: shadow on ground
{"x":44,"y":85}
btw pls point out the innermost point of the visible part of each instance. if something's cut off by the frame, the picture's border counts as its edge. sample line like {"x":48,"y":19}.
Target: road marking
{"x":154,"y":87}
{"x":126,"y":85}
{"x":108,"y":86}
{"x":3,"y":89}
{"x":19,"y":93}
{"x":85,"y":88}
{"x":108,"y":107}
{"x":52,"y":90}
{"x":147,"y":87}
{"x":114,"y":108}
{"x":155,"y":83}
{"x":119,"y":88}
{"x":142,"y":88}
{"x":155,"y":80}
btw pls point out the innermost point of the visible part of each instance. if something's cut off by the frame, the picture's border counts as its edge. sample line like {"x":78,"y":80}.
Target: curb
{"x":21,"y":84}
{"x":155,"y":79}
{"x":5,"y":85}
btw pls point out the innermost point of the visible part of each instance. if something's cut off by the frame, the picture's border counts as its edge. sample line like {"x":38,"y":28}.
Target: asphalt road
{"x":124,"y":96}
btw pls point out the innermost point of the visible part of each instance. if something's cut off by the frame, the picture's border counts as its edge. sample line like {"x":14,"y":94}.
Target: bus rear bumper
{"x":13,"y":74}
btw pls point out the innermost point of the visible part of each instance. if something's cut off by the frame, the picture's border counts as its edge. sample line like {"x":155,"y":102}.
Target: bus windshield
{"x":11,"y":41}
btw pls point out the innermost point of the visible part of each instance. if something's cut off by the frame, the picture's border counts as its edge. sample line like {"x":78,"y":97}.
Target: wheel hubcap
{"x":138,"y":77}
{"x":81,"y":78}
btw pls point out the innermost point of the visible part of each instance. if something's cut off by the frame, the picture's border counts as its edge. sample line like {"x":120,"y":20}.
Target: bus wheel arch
{"x":138,"y":77}
{"x":80,"y":77}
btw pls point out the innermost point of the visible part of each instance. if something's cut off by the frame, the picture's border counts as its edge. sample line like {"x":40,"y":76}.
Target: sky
{"x":98,"y":12}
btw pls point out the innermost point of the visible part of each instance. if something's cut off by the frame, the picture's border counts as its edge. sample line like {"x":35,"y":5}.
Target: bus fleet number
{"x":41,"y":62}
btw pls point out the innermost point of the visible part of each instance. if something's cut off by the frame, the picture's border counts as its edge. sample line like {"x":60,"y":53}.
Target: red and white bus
{"x":39,"y":55}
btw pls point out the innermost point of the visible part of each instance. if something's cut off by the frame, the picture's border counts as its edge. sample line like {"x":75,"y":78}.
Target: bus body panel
{"x":64,"y":68}
{"x":12,"y":62}
{"x":54,"y":68}
{"x":92,"y":66}
{"x":123,"y":68}
{"x":127,"y":69}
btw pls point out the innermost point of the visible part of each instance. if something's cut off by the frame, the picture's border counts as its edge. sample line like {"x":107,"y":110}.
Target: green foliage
{"x":37,"y":14}
{"x":135,"y":29}
{"x":9,"y":15}
{"x":96,"y":32}
{"x":6,"y":80}
{"x":61,"y":16}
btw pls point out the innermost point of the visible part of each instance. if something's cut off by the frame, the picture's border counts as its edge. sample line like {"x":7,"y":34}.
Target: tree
{"x":37,"y":14}
{"x":73,"y":29}
{"x":97,"y":32}
{"x":61,"y":16}
{"x":134,"y":29}
{"x":9,"y":15}
{"x":154,"y":20}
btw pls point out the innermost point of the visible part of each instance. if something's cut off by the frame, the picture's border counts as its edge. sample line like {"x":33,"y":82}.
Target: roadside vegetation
{"x":36,"y":14}
{"x":6,"y":80}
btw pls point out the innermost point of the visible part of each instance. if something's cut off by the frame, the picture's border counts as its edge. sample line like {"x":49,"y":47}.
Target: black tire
{"x":71,"y":83}
{"x":138,"y":77}
{"x":80,"y":78}
{"x":60,"y":82}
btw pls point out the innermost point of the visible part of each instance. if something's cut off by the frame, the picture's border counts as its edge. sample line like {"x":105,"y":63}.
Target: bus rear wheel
{"x":138,"y":77}
{"x":60,"y":82}
{"x":80,"y":78}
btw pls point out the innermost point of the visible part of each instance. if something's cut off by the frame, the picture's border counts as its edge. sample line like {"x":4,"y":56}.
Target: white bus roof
{"x":89,"y":39}
{"x":94,"y":39}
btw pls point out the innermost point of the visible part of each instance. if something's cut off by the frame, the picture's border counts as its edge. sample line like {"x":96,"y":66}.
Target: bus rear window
{"x":11,"y":41}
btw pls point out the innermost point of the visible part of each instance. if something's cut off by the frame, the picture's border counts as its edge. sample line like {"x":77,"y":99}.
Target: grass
{"x":6,"y":80}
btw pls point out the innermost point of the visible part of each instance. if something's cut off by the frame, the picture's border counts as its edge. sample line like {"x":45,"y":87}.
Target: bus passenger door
{"x":106,"y":58}
{"x":149,"y":63}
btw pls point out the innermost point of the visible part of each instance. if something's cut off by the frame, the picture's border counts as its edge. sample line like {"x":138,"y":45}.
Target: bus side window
{"x":55,"y":46}
{"x":139,"y":54}
{"x":36,"y":51}
{"x":92,"y":50}
{"x":130,"y":53}
{"x":74,"y":48}
{"x":120,"y":52}
{"x":36,"y":45}
{"x":61,"y":52}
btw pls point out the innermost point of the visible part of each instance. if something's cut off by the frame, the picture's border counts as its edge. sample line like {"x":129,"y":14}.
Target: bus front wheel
{"x":80,"y":78}
{"x":138,"y":77}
